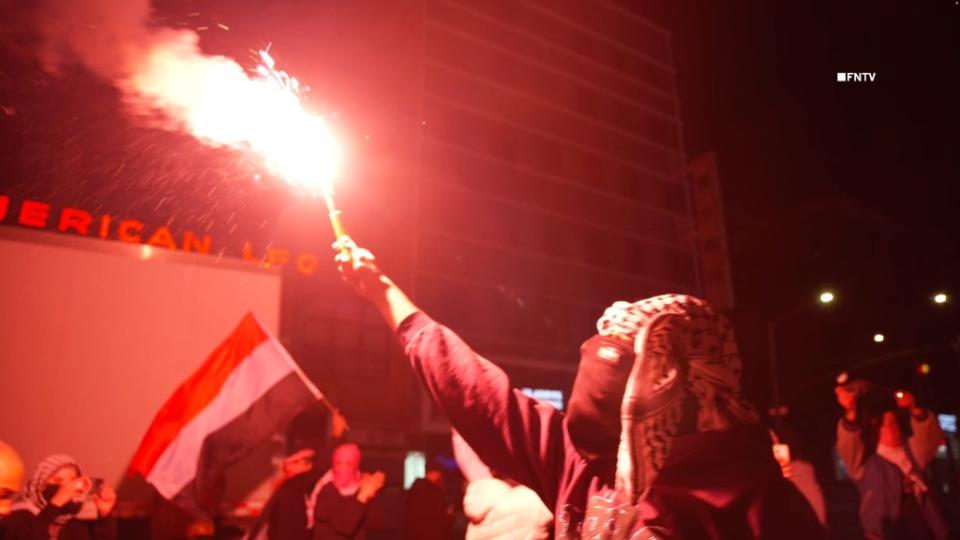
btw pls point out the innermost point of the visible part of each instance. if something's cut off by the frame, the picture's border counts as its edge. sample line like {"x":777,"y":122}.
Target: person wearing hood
{"x":657,"y":439}
{"x":338,"y":508}
{"x":54,"y":503}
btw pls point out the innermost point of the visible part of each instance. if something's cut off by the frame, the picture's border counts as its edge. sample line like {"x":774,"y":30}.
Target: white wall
{"x":95,"y":335}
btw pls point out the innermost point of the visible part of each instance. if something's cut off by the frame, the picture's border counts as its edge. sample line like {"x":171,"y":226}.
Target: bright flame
{"x":221,"y":104}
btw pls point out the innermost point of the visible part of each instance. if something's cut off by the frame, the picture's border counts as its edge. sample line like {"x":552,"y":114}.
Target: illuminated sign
{"x":41,"y":215}
{"x":547,"y":395}
{"x":948,"y":422}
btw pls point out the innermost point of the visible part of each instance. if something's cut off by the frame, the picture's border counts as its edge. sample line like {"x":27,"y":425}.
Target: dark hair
{"x":870,"y":410}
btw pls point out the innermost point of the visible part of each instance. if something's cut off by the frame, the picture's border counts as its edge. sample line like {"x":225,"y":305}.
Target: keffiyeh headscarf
{"x":669,"y":366}
{"x":32,"y":498}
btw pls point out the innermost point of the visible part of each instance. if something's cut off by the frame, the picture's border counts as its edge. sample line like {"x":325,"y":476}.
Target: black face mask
{"x":593,"y":413}
{"x":49,"y":491}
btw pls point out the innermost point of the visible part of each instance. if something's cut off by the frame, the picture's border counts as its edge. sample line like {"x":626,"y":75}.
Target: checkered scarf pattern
{"x":674,"y":336}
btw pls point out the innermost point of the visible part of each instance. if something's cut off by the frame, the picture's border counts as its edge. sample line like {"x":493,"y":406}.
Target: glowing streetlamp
{"x":826,"y":297}
{"x":940,"y":298}
{"x":878,"y":338}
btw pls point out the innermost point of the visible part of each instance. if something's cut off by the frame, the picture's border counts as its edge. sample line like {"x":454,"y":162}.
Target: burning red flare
{"x":221,"y":104}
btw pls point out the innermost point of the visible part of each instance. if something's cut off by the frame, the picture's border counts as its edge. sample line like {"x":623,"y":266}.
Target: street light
{"x":878,"y":338}
{"x":825,"y":297}
{"x":940,"y":298}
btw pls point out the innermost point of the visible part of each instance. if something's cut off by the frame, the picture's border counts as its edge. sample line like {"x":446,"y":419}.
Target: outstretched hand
{"x":370,"y":484}
{"x":358,"y":268}
{"x":338,"y":424}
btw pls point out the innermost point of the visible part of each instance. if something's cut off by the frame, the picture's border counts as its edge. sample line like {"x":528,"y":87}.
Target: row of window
{"x":534,"y":22}
{"x":575,"y":194}
{"x":488,"y":135}
{"x":636,"y":112}
{"x":502,"y":320}
{"x":469,"y":215}
{"x":613,"y":23}
{"x":578,"y":282}
{"x":654,"y":142}
{"x":475,"y":21}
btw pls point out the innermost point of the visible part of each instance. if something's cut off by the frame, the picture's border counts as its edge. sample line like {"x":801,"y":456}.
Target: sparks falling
{"x":221,"y":104}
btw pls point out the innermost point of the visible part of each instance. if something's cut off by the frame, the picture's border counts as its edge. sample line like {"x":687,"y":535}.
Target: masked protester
{"x":284,"y":516}
{"x":339,"y":505}
{"x":657,"y":440}
{"x":59,"y":503}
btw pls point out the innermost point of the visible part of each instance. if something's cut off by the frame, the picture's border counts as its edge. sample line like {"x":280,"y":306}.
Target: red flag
{"x":247,"y":389}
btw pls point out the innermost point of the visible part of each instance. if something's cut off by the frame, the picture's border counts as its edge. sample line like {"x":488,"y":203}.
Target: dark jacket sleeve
{"x":104,"y":528}
{"x":513,"y":434}
{"x":19,"y":525}
{"x":851,"y":448}
{"x":22,"y":525}
{"x":344,"y":515}
{"x":287,"y":514}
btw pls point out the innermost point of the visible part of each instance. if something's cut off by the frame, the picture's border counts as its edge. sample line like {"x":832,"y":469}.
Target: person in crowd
{"x":60,"y":503}
{"x":426,"y":513}
{"x":886,"y":443}
{"x":284,"y":516}
{"x":339,"y":506}
{"x":11,"y":479}
{"x":657,"y":441}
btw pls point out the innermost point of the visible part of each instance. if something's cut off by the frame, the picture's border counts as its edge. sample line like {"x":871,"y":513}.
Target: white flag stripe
{"x":249,"y":381}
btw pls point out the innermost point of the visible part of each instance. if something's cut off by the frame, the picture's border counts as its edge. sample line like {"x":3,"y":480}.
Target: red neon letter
{"x":76,"y":219}
{"x":277,"y":256}
{"x":126,"y":230}
{"x":104,"y":225}
{"x":162,"y":238}
{"x":4,"y":202}
{"x":190,"y":242}
{"x":247,"y":252}
{"x":34,"y":214}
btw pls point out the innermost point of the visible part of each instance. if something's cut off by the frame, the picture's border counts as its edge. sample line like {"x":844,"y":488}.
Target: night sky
{"x":851,"y":186}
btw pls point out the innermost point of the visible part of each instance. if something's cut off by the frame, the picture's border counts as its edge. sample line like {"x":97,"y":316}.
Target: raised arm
{"x":513,"y":434}
{"x":927,"y":435}
{"x":850,"y":444}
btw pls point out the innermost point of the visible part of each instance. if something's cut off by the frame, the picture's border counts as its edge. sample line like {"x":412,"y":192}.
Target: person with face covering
{"x":657,"y":442}
{"x":338,"y":508}
{"x":284,"y":516}
{"x":53,"y":504}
